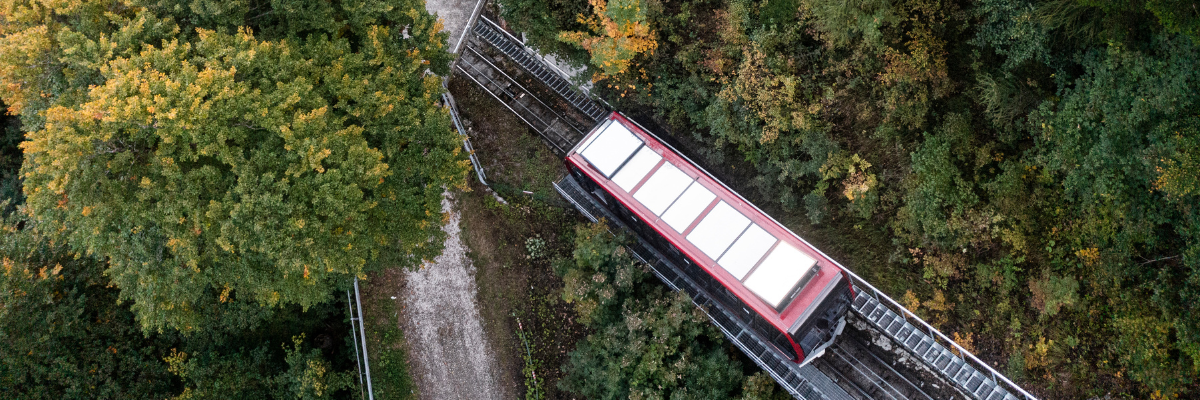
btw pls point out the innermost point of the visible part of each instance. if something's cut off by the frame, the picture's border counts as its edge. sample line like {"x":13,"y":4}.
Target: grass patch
{"x":391,"y":377}
{"x":512,"y":246}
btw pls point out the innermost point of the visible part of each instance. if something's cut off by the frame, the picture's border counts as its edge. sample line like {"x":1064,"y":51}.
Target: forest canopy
{"x":1022,"y":173}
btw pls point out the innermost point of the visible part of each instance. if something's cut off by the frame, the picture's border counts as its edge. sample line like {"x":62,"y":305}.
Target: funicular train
{"x":788,"y":292}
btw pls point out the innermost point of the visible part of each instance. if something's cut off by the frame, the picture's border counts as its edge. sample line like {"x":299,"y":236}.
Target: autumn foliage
{"x":620,"y":31}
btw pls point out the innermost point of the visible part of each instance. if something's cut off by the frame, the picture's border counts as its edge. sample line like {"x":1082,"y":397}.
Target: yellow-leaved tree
{"x":265,"y":162}
{"x":619,"y":32}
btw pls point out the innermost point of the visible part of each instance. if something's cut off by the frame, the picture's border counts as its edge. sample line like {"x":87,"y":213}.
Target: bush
{"x":647,"y":342}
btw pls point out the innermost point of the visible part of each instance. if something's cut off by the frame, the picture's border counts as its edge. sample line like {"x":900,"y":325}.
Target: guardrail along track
{"x":492,"y":34}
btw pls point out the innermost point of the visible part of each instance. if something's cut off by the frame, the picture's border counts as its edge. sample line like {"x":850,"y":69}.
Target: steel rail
{"x":449,"y":100}
{"x":518,"y":84}
{"x":543,"y":130}
{"x":549,"y":109}
{"x":893,"y":370}
{"x":864,"y":371}
{"x":510,"y":108}
{"x":354,"y":333}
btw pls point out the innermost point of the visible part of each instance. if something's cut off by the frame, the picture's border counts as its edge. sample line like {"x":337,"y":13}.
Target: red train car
{"x":788,"y":292}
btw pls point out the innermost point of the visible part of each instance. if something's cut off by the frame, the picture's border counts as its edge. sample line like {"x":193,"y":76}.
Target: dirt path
{"x":449,"y":353}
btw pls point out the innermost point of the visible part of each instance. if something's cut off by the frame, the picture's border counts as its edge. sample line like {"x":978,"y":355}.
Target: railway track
{"x":859,"y":365}
{"x":865,"y":372}
{"x":541,"y":98}
{"x":491,"y":33}
{"x":559,"y":134}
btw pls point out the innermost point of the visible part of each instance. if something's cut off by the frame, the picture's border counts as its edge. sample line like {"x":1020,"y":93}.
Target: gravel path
{"x":447,"y":349}
{"x":450,"y":356}
{"x":456,"y":16}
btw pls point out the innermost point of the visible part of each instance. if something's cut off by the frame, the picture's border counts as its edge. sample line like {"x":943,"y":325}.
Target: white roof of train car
{"x":767,"y":267}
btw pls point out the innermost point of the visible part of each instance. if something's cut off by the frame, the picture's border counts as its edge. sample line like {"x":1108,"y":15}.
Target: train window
{"x":612,"y":146}
{"x":636,"y":168}
{"x":627,"y":215}
{"x":729,"y":298}
{"x":585,"y":181}
{"x":718,"y":230}
{"x":782,"y":343}
{"x":688,"y":206}
{"x":745,"y":253}
{"x":812,"y":339}
{"x":779,"y":273}
{"x":667,"y":183}
{"x":763,"y":326}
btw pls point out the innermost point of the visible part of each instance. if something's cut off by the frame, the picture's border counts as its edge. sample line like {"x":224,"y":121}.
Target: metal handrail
{"x":366,"y":361}
{"x":357,"y":356}
{"x":449,"y":100}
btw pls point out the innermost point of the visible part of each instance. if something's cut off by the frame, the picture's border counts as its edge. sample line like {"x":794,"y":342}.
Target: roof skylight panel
{"x":744,"y":254}
{"x":718,"y":230}
{"x":636,"y":168}
{"x":611,"y":148}
{"x":779,"y":273}
{"x":690,"y":204}
{"x":587,"y":141}
{"x":662,"y":188}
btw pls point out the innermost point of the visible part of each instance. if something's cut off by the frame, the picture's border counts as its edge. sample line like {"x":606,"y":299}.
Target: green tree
{"x":211,"y":164}
{"x":662,"y":347}
{"x":10,"y":163}
{"x":1115,"y":141}
{"x":761,"y":386}
{"x":62,"y":334}
{"x":255,"y":372}
{"x":542,"y":20}
{"x":648,"y":343}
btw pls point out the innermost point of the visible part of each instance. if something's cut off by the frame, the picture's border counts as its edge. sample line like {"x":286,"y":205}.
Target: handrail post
{"x":366,"y":356}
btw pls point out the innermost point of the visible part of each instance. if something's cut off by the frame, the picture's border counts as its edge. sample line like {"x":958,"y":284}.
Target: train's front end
{"x":821,"y":325}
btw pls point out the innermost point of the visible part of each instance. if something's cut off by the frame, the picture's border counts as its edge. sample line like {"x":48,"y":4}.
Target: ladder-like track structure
{"x":556,"y":130}
{"x":491,"y":33}
{"x":970,"y":374}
